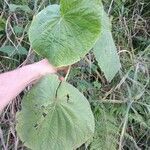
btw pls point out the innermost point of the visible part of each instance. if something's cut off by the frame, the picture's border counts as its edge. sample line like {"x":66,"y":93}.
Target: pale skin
{"x":14,"y":82}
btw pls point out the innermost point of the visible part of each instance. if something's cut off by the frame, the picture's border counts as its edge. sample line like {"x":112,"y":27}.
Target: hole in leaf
{"x":68,"y":98}
{"x":44,"y":114}
{"x":36,"y":125}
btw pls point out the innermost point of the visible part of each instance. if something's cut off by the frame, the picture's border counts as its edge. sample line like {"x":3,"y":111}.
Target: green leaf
{"x":21,"y":50}
{"x":14,"y":8}
{"x":55,"y":116}
{"x":148,"y":48}
{"x":64,"y":34}
{"x":11,"y":50}
{"x":18,"y":29}
{"x":2,"y":24}
{"x":105,"y":50}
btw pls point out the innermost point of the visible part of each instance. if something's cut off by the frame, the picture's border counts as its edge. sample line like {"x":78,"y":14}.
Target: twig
{"x":124,"y":126}
{"x":110,"y":7}
{"x":111,"y":101}
{"x":68,"y":72}
{"x":2,"y":139}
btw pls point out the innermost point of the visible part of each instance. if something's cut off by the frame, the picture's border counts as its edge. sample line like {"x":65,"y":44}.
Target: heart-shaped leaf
{"x":54,"y":116}
{"x":65,"y":33}
{"x":105,"y":50}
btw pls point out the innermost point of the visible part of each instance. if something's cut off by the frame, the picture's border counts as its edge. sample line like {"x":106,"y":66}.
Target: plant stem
{"x":124,"y":125}
{"x":68,"y":73}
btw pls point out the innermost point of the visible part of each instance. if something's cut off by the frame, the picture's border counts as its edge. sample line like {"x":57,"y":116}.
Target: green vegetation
{"x":53,"y":116}
{"x":121,"y":107}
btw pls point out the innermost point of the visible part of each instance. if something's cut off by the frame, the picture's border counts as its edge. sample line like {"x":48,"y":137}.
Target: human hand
{"x":13,"y":82}
{"x":43,"y":67}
